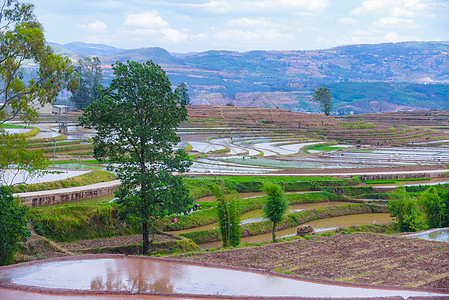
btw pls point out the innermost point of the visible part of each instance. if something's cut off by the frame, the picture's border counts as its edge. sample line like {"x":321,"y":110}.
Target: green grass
{"x":14,"y":126}
{"x":383,"y":181}
{"x":326,"y":148}
{"x":270,"y":178}
{"x":89,"y":161}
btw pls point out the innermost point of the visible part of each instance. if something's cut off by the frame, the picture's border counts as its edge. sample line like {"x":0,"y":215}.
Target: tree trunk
{"x":274,"y":232}
{"x":145,"y":238}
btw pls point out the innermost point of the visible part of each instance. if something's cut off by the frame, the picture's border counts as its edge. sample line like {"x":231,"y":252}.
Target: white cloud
{"x":174,"y":35}
{"x":374,"y":36}
{"x":265,"y":6}
{"x":146,"y":20}
{"x":257,"y":37}
{"x":249,"y":22}
{"x":399,"y":8}
{"x":347,"y":20}
{"x":96,"y":26}
{"x":395,"y":22}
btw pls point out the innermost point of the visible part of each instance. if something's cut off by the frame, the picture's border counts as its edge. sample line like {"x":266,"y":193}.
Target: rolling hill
{"x":363,"y":78}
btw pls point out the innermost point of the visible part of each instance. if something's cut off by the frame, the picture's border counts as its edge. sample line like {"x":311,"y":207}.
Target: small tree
{"x":91,"y":77}
{"x":136,"y":120}
{"x":183,"y":92}
{"x":228,"y":217}
{"x":13,"y":224}
{"x":275,"y":206}
{"x":324,"y":97}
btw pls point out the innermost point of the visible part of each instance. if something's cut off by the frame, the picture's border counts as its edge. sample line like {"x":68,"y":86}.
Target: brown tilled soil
{"x":364,"y":258}
{"x":38,"y":246}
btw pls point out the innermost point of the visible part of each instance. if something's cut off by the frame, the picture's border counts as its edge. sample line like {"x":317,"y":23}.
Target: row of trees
{"x":274,"y":209}
{"x":429,"y":210}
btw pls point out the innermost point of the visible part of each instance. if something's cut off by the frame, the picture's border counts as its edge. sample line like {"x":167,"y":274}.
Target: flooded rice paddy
{"x":145,"y":275}
{"x":439,"y":234}
{"x":319,"y":226}
{"x":257,"y":215}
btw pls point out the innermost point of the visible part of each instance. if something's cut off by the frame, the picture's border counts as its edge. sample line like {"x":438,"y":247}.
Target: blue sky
{"x":200,"y":25}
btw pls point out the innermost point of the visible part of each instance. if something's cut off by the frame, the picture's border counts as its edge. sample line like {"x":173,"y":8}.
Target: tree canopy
{"x":22,"y":47}
{"x":135,"y":119}
{"x":91,"y":78}
{"x":324,"y":97}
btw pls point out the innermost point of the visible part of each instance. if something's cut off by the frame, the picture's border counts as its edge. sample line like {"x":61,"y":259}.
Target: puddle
{"x":140,"y":275}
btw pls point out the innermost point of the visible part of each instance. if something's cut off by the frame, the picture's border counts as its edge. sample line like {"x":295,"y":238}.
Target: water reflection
{"x":136,"y":276}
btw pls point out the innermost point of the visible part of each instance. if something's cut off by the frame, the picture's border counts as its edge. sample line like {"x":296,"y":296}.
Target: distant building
{"x":60,"y":110}
{"x":45,"y":109}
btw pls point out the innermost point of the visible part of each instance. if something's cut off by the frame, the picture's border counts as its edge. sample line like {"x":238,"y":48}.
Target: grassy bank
{"x":78,"y":222}
{"x":246,"y":184}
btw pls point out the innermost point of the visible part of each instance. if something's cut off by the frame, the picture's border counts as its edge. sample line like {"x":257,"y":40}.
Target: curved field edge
{"x":94,"y":176}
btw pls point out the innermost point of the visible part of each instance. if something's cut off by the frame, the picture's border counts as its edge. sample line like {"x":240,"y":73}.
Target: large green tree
{"x":135,"y":120}
{"x":91,"y":78}
{"x":324,"y":97}
{"x":275,"y":206}
{"x":13,"y":224}
{"x":22,"y":47}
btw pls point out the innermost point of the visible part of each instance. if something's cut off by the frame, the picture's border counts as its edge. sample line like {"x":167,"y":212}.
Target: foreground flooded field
{"x":148,"y":275}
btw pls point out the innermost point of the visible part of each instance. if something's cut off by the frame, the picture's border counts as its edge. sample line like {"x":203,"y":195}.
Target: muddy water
{"x":137,"y":275}
{"x":321,"y":225}
{"x":257,"y":215}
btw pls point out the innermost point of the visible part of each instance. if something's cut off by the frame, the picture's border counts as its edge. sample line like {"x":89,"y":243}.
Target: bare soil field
{"x":364,"y":258}
{"x":112,"y":242}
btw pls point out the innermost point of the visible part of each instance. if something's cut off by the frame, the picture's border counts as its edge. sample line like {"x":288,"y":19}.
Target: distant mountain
{"x":158,"y":55}
{"x":84,"y":49}
{"x":365,"y":78}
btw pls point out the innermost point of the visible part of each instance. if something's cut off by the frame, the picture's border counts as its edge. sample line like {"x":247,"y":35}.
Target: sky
{"x":241,"y":25}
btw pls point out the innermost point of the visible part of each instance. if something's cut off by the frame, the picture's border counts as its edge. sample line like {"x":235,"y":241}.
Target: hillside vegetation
{"x":364,"y":78}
